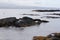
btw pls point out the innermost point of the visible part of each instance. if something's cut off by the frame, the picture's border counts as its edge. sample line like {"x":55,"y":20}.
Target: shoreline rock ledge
{"x":52,"y":36}
{"x":21,"y":22}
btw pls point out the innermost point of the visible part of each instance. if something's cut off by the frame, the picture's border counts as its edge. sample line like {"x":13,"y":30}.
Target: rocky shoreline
{"x":21,"y":22}
{"x":52,"y":36}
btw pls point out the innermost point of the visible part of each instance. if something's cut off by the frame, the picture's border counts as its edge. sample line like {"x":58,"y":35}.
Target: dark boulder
{"x":21,"y":22}
{"x":27,"y":21}
{"x":7,"y":21}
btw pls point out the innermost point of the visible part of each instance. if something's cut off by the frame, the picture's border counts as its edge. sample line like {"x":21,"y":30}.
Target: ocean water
{"x":27,"y":33}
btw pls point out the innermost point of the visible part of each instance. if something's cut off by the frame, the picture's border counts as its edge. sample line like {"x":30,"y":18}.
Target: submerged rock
{"x":32,"y":14}
{"x":52,"y":17}
{"x":54,"y":14}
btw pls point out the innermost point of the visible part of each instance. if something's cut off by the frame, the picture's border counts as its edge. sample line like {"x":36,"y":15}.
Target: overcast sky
{"x":39,"y":3}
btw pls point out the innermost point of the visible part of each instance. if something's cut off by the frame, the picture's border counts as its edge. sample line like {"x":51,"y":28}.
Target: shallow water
{"x":27,"y":33}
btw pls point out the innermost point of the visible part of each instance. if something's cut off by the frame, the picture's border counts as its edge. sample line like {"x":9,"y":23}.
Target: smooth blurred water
{"x":27,"y":33}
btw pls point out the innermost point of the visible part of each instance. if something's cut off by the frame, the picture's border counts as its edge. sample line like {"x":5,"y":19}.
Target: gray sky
{"x":39,"y":3}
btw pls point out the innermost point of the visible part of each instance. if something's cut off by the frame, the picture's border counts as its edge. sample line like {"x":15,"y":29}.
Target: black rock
{"x":7,"y":21}
{"x":21,"y":22}
{"x":27,"y":21}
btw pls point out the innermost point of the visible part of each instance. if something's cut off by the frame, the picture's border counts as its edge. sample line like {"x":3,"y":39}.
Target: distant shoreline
{"x":46,"y":10}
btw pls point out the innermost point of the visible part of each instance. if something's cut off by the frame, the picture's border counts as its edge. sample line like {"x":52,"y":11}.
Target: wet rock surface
{"x":21,"y":22}
{"x":7,"y":21}
{"x":52,"y":36}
